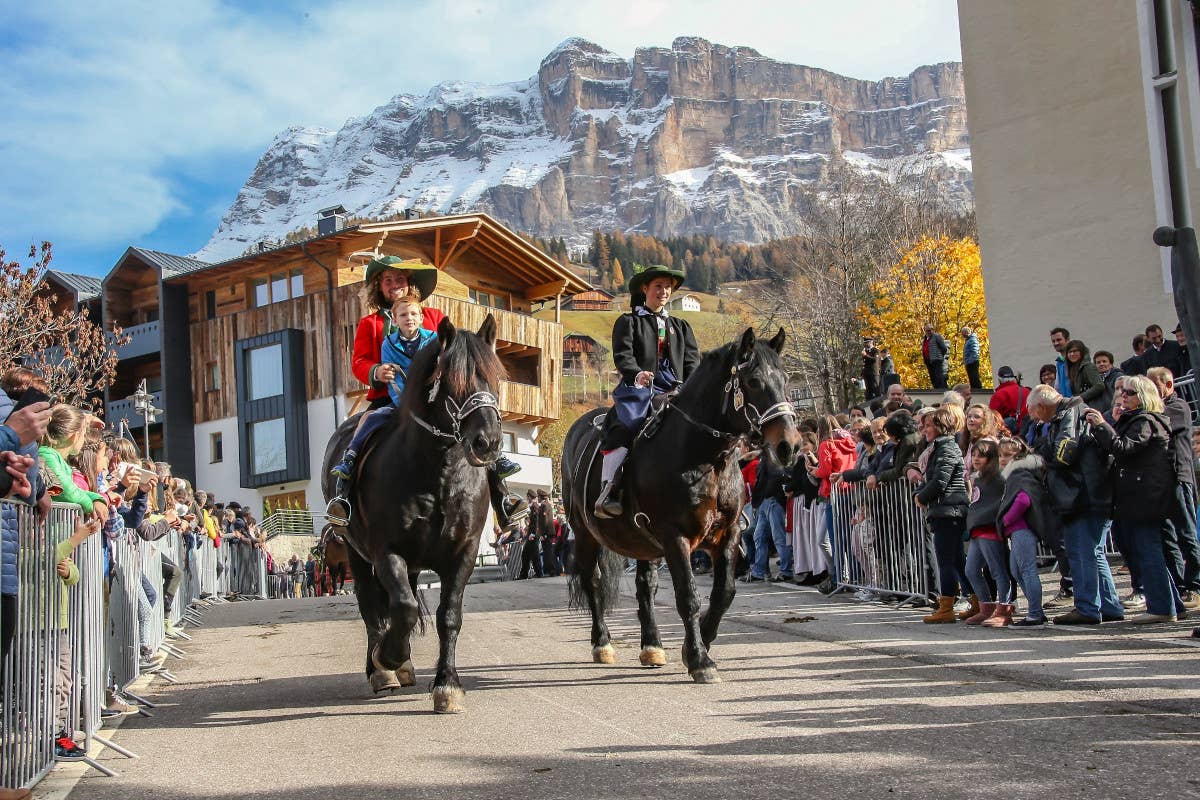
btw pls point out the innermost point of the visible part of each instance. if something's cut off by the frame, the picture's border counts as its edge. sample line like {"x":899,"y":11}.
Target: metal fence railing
{"x":71,"y":644}
{"x":879,"y":541}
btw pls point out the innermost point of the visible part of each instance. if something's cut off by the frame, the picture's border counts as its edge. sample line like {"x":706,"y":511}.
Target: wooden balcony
{"x":530,"y":348}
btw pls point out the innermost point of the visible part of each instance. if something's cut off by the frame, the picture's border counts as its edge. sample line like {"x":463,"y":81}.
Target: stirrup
{"x":338,"y":511}
{"x":607,"y":506}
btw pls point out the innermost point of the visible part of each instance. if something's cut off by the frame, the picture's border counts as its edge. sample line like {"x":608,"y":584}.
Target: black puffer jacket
{"x":906,"y":452}
{"x":1076,"y":468}
{"x":1143,"y":475}
{"x":1180,"y":416}
{"x":944,"y":492}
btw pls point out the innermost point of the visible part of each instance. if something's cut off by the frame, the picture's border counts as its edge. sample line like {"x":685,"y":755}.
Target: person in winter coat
{"x":769,"y":527}
{"x":655,"y":353}
{"x":836,"y":452}
{"x":1081,"y":372}
{"x":19,"y":435}
{"x":1078,"y":490}
{"x":1182,"y":550}
{"x":1021,"y":519}
{"x":943,"y":496}
{"x":874,"y":449}
{"x":901,"y":430}
{"x":1008,"y":400}
{"x":933,"y":353}
{"x":987,"y":545}
{"x":1108,"y":375}
{"x":1143,"y":485}
{"x":970,"y":356}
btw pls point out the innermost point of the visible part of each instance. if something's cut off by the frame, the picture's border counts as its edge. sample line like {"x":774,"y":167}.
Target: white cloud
{"x":101,"y":101}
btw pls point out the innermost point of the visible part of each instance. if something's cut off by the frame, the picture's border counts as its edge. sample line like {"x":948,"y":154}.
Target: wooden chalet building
{"x":72,"y":291}
{"x":580,"y":349}
{"x":591,"y":300}
{"x":250,"y":358}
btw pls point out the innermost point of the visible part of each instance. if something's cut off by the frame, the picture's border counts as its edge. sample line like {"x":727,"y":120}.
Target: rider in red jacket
{"x":388,"y":278}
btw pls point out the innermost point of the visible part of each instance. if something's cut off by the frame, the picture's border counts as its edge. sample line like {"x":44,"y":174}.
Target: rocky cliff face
{"x":700,"y":138}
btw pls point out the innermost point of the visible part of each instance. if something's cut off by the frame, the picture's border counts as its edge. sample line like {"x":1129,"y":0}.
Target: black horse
{"x":419,"y":501}
{"x":683,"y":490}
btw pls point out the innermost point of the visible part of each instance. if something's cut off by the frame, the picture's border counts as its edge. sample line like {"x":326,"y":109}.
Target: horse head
{"x":455,"y":390}
{"x":756,"y":399}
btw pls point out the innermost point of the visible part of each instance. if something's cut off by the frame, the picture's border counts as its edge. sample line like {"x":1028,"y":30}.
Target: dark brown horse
{"x":419,"y":501}
{"x":682,"y":491}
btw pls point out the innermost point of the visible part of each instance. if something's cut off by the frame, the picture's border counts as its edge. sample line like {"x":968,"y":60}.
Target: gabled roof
{"x":441,"y":239}
{"x":170,"y":265}
{"x":85,"y":287}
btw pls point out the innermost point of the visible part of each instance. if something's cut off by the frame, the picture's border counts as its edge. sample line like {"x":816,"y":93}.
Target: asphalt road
{"x":822,"y":698}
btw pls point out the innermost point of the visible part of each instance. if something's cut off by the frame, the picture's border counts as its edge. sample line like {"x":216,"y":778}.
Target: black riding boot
{"x":508,"y":508}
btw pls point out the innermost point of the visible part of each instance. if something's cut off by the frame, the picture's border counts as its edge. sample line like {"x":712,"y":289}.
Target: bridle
{"x":736,"y":399}
{"x":458,"y":412}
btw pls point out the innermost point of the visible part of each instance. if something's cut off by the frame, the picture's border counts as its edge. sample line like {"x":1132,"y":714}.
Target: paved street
{"x":821,"y":698}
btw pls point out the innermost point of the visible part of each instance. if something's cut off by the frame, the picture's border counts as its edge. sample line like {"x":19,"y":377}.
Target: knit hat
{"x":1006,"y":374}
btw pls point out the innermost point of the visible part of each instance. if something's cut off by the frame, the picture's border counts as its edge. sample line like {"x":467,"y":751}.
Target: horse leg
{"x":448,"y":693}
{"x":695,"y":654}
{"x":372,"y":606}
{"x":652,"y":654}
{"x":393,"y":651}
{"x":586,"y":581}
{"x":723,"y":589}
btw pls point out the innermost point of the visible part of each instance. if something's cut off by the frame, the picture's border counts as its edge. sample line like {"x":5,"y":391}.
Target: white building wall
{"x":223,"y":478}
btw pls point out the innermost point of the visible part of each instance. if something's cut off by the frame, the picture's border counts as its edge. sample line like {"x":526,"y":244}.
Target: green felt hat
{"x":421,"y":275}
{"x":640,"y":279}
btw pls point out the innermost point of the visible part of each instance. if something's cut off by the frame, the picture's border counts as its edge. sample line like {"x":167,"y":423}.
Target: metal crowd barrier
{"x":27,"y":683}
{"x":55,"y":678}
{"x":878,"y":541}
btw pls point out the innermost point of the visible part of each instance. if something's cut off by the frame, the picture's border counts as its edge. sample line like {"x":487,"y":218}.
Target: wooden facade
{"x":528,"y":346}
{"x":592,"y":300}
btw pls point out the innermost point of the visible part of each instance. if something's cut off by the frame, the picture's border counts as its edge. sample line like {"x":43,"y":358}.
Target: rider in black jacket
{"x":654,"y":353}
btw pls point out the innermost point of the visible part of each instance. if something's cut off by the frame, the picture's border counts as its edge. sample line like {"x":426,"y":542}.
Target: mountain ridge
{"x":695,"y":138}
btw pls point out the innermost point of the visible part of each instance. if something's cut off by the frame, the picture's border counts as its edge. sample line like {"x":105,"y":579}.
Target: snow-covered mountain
{"x":698,"y":138}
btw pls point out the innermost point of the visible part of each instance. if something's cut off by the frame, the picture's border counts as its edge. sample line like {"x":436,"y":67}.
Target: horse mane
{"x":714,"y":364}
{"x":467,"y":359}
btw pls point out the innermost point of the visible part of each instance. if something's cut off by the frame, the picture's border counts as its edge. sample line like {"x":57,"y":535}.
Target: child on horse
{"x":402,"y":341}
{"x":379,"y":346}
{"x":654,"y":353}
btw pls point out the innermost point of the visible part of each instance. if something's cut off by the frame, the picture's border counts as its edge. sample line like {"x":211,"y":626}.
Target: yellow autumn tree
{"x":937,"y":280}
{"x":618,"y":276}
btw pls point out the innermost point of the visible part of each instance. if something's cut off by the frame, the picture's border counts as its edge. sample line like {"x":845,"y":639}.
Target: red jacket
{"x":368,"y":344}
{"x":837,"y":454}
{"x":749,"y":475}
{"x":1009,"y":400}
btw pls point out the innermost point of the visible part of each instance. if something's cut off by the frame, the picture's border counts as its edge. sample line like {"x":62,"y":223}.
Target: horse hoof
{"x":406,"y":673}
{"x":604,"y":655}
{"x":652,"y":657}
{"x":448,"y":700}
{"x":383,"y":680}
{"x":706,"y":675}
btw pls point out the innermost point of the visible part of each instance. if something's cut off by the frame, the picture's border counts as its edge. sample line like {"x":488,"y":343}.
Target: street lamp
{"x":143,"y":405}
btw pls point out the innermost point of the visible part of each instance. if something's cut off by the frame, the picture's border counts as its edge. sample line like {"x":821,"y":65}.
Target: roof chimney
{"x":330,"y":220}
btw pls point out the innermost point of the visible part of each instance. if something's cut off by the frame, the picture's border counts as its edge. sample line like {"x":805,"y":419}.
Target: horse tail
{"x":605,"y":579}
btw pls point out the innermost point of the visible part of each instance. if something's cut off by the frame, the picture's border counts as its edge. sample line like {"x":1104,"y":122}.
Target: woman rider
{"x":387,"y":279}
{"x":654,"y":353}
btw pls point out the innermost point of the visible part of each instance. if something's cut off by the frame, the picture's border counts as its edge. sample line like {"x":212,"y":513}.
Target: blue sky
{"x":136,"y":122}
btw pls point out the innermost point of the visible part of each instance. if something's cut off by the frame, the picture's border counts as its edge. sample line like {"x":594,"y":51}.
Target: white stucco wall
{"x":223,"y":479}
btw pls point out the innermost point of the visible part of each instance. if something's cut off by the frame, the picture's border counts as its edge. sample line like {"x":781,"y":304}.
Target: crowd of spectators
{"x":1095,"y":460}
{"x":541,"y":545}
{"x":60,"y":453}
